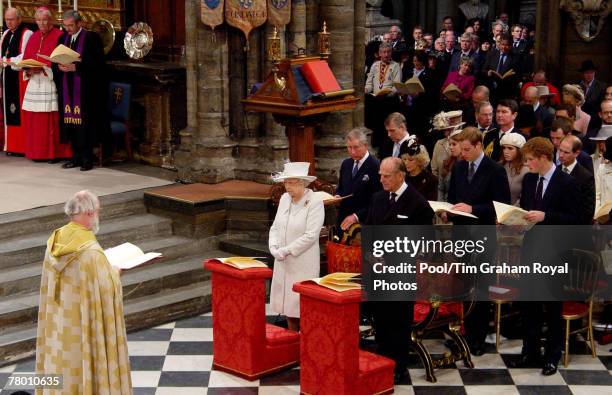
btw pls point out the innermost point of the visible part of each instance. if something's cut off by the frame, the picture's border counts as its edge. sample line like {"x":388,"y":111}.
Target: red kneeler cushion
{"x":277,"y":336}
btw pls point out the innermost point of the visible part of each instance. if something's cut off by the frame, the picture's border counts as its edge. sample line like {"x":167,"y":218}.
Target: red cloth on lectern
{"x":320,"y":77}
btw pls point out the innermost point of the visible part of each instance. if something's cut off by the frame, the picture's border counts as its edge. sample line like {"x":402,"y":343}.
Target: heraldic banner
{"x":246,"y":14}
{"x":279,"y":12}
{"x":212,"y":12}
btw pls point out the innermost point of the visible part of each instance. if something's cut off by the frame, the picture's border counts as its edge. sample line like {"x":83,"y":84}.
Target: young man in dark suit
{"x":551,"y":198}
{"x":568,"y":150}
{"x":475,"y":183}
{"x":358,"y":179}
{"x":397,"y":204}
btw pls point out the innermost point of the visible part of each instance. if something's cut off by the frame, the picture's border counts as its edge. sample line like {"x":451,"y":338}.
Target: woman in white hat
{"x":603,"y":176}
{"x":294,"y":240}
{"x":512,"y":160}
{"x":573,"y":94}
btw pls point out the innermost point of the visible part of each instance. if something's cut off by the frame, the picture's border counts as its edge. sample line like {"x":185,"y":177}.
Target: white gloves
{"x":280,"y":253}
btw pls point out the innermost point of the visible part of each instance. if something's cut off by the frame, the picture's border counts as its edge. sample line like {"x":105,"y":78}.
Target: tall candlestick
{"x":9,"y":3}
{"x":59,"y":6}
{"x":75,"y":6}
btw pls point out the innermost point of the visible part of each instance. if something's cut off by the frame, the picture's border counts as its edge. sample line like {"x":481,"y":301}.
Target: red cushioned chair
{"x":244,"y":344}
{"x":583,"y":281}
{"x":437,"y":310}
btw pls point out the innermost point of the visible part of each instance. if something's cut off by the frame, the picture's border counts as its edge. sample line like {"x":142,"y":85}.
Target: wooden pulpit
{"x":286,"y":95}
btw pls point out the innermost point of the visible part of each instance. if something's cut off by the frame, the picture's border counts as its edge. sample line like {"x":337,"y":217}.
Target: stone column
{"x":359,"y":60}
{"x":313,"y":26}
{"x":296,"y":30}
{"x":375,"y":22}
{"x":206,"y":153}
{"x":330,"y":147}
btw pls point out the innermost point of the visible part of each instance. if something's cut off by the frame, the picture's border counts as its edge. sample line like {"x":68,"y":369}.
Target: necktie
{"x":396,"y":147}
{"x":392,"y":197}
{"x":502,"y":60}
{"x":538,"y":196}
{"x":471,"y":171}
{"x":482,"y":130}
{"x":355,"y":169}
{"x":516,"y":43}
{"x":566,"y":170}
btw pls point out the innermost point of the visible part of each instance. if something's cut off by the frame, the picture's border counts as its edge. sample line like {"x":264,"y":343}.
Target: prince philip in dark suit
{"x":397,"y":204}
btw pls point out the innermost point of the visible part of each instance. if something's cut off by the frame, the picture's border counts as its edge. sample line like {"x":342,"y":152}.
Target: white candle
{"x":9,"y":3}
{"x":59,"y":6}
{"x":75,"y":5}
{"x":1,"y":16}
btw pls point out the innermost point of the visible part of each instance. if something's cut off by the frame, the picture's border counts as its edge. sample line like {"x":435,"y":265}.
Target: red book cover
{"x":320,"y":77}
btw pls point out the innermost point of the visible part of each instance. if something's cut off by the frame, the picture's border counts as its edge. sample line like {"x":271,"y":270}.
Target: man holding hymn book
{"x":82,"y":88}
{"x":81,"y":328}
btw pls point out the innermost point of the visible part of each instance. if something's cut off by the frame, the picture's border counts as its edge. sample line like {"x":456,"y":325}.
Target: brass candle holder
{"x":274,"y":54}
{"x":324,"y":42}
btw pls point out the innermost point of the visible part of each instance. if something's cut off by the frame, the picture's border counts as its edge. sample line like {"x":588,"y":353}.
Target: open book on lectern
{"x":128,"y":256}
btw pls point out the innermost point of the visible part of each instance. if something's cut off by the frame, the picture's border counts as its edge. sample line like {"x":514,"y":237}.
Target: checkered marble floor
{"x":176,"y":359}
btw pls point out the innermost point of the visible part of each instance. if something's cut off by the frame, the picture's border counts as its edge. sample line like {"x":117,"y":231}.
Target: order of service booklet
{"x":128,"y":256}
{"x":444,"y":206}
{"x":339,"y":281}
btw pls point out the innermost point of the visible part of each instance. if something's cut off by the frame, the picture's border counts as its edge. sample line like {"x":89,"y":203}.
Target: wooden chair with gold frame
{"x":446,"y":305}
{"x":583,"y":281}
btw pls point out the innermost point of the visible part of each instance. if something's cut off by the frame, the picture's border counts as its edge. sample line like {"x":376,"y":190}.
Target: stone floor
{"x":176,"y":359}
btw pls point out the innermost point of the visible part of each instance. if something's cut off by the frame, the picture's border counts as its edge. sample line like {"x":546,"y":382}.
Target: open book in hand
{"x":384,"y":92}
{"x":507,"y":74}
{"x":412,"y":87}
{"x":444,"y":206}
{"x":62,"y":55}
{"x":329,"y":199}
{"x":128,"y":256}
{"x":511,"y":215}
{"x":340,"y":281}
{"x":26,"y":64}
{"x":452,"y":91}
{"x":242,"y":262}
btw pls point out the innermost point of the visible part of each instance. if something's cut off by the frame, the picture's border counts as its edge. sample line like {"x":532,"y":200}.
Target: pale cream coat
{"x":296,"y":226}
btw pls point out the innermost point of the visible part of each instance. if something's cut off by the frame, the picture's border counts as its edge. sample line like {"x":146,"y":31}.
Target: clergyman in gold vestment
{"x":81,"y":327}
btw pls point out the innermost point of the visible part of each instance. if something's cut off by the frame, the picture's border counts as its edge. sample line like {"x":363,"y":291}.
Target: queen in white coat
{"x":294,"y":240}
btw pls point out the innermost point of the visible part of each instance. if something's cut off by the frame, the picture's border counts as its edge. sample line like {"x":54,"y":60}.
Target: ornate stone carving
{"x":588,"y":15}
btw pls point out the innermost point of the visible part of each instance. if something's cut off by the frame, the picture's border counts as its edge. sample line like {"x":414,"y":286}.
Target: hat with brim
{"x":543,"y":91}
{"x":448,"y":120}
{"x":604,"y":133}
{"x":587,"y":65}
{"x":297,"y":170}
{"x":576,"y":91}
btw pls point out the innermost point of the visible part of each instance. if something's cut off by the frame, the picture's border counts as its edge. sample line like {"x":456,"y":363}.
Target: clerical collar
{"x":76,"y":35}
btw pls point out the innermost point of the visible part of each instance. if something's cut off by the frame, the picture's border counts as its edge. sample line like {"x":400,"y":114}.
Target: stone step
{"x":45,"y":219}
{"x":144,"y":312}
{"x":29,"y":248}
{"x":244,"y":247}
{"x":158,"y":277}
{"x":26,"y":278}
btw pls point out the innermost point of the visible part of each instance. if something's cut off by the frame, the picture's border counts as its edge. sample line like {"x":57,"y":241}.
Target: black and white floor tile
{"x":176,"y":359}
